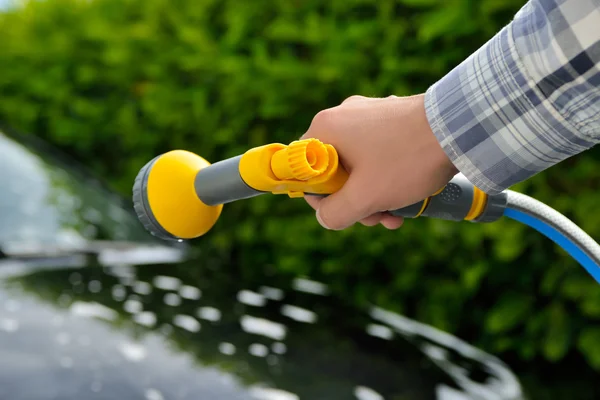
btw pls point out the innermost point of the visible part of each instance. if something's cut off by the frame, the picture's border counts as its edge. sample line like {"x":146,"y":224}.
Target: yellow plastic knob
{"x":301,"y":160}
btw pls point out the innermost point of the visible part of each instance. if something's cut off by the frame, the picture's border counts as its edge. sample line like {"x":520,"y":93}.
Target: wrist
{"x":438,"y":154}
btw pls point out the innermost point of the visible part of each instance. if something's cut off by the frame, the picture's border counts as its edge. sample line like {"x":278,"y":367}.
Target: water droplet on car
{"x":171,"y":299}
{"x":258,"y":350}
{"x":265,"y":393}
{"x":92,"y":310}
{"x":380,"y":331}
{"x":209,"y":314}
{"x":299,"y":314}
{"x":251,"y":298}
{"x":119,"y":292}
{"x":95,"y":286}
{"x":227,"y":348}
{"x":264,"y":327}
{"x":132,"y":306}
{"x":9,"y":325}
{"x":166,"y":282}
{"x":365,"y":393}
{"x":146,"y":318}
{"x":153,"y":394}
{"x":133,"y":352}
{"x":186,"y":322}
{"x":190,"y":292}
{"x":143,"y":288}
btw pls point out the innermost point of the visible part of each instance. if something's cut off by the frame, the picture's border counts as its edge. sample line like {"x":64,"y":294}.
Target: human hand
{"x":391,"y":154}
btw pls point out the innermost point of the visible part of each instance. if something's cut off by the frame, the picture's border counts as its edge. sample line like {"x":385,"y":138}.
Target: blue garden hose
{"x":556,"y":227}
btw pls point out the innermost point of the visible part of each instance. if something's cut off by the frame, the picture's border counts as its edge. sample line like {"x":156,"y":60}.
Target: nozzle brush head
{"x":165,"y":200}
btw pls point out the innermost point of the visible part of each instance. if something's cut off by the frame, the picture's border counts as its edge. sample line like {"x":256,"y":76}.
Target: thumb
{"x":343,"y":208}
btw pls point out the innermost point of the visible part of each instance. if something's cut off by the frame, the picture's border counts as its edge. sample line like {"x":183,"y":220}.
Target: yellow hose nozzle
{"x":180,"y":195}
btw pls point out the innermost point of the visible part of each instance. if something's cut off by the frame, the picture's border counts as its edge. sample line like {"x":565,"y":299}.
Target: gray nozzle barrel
{"x":221,"y":183}
{"x":455,"y":202}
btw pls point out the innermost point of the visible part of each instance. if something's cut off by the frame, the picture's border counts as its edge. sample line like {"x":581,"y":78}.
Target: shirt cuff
{"x":494,"y":123}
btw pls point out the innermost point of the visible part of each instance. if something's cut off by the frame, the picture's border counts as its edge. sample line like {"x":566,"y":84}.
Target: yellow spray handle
{"x":180,"y":195}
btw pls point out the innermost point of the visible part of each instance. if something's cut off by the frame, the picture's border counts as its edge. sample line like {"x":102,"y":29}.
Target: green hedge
{"x":116,"y":82}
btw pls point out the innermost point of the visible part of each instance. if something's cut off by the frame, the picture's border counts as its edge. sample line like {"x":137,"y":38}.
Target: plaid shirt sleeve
{"x":526,"y":100}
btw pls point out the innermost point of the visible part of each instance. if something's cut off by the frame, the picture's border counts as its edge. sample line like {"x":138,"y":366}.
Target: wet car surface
{"x":92,"y":307}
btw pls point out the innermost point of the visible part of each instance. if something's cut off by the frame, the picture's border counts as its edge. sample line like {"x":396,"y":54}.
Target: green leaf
{"x":589,"y":345}
{"x":576,"y":286}
{"x":473,"y":275}
{"x":509,"y":244}
{"x":509,"y":312}
{"x":591,"y":305}
{"x":447,"y":20}
{"x":557,"y":338}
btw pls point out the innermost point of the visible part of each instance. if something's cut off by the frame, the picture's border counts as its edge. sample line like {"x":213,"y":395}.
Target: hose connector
{"x":459,"y":200}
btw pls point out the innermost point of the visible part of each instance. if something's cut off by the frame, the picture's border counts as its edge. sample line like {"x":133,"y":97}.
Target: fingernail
{"x":320,"y":220}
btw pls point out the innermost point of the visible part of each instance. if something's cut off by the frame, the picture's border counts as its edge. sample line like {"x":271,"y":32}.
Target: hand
{"x":391,"y":154}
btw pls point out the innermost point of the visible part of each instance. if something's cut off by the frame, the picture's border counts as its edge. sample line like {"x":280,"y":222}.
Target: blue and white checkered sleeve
{"x":526,"y":100}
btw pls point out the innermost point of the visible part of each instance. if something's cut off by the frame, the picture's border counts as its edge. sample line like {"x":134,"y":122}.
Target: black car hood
{"x":124,"y":323}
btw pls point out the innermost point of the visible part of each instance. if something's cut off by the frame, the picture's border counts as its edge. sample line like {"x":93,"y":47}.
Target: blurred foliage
{"x":116,"y":82}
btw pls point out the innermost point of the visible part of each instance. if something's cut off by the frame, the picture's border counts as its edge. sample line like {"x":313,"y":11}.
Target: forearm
{"x":526,"y":100}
